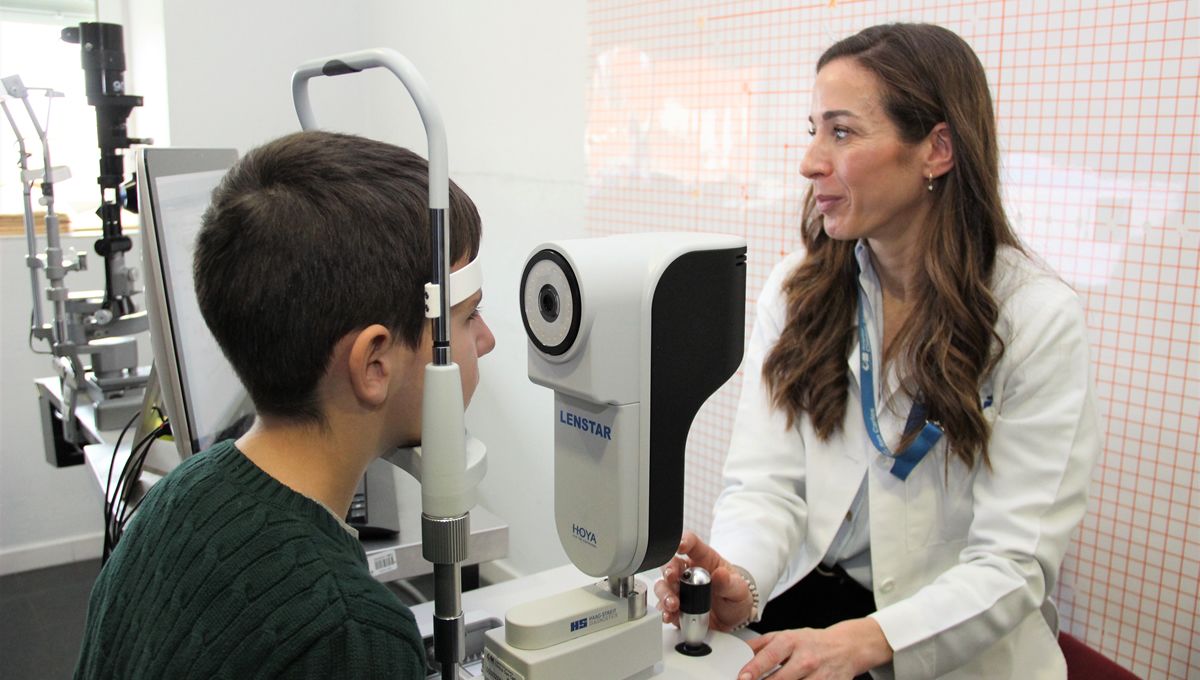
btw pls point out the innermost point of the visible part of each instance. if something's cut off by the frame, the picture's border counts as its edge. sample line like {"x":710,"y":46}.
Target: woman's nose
{"x":813,"y":163}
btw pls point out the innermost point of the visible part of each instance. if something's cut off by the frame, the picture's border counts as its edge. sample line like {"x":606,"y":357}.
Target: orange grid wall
{"x":697,"y":121}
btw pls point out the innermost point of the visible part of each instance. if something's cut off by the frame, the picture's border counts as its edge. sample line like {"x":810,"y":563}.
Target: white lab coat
{"x":961,"y":563}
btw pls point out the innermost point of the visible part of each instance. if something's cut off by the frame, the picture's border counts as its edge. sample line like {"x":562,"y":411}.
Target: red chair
{"x":1085,"y":663}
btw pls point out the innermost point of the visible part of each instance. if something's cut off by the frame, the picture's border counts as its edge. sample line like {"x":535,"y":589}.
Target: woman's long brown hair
{"x":948,"y":344}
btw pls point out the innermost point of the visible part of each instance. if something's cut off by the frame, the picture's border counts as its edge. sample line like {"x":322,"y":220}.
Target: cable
{"x":31,"y":349}
{"x":108,"y":505}
{"x":130,"y":473}
{"x":118,"y":495}
{"x":112,"y":496}
{"x":135,"y":473}
{"x":149,"y":440}
{"x":115,"y":517}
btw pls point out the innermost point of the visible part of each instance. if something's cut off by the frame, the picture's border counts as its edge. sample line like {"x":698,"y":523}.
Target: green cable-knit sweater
{"x":226,"y":573}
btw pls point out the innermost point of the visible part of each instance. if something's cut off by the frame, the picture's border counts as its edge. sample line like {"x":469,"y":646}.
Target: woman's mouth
{"x":825,"y":203}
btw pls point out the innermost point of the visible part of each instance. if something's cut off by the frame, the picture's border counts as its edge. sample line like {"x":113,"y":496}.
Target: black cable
{"x":138,"y":460}
{"x":130,"y":510}
{"x":108,"y":544}
{"x":133,"y":472}
{"x":124,"y":480}
{"x":118,"y":493}
{"x":114,"y":518}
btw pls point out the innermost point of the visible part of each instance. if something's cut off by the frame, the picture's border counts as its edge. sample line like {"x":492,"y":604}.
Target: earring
{"x":930,"y":185}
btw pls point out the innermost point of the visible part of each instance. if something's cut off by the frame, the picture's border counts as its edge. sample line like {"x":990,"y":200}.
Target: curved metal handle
{"x":439,"y":171}
{"x":354,"y":62}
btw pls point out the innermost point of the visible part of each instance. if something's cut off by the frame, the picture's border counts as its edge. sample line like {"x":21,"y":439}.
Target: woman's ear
{"x":940,"y":154}
{"x":371,"y":364}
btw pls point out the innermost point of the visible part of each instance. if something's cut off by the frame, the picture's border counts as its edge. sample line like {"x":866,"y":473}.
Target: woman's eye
{"x":839,"y":133}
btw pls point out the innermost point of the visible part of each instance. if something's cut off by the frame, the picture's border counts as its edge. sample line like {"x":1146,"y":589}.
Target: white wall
{"x":509,"y":80}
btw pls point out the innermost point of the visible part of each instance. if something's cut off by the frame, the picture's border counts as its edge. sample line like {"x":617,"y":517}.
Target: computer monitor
{"x":203,"y":397}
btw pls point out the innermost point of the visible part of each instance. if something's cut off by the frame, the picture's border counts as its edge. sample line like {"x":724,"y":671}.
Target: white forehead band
{"x":463,"y":284}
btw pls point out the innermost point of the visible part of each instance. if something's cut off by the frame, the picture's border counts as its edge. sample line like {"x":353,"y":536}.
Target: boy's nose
{"x":485,"y":342}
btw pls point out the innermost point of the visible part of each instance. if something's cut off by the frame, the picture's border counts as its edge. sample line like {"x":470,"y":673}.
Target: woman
{"x":917,"y":425}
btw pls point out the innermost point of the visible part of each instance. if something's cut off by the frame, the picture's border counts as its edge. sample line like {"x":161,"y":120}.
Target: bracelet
{"x":754,"y":617}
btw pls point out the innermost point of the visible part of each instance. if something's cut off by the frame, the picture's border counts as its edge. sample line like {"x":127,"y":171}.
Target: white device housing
{"x":633,"y":333}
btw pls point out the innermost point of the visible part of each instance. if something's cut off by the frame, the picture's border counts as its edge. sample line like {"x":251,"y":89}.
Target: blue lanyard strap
{"x":906,"y":460}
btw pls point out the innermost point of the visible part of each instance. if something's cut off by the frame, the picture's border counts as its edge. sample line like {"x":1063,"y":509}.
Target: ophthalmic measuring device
{"x":633,"y":333}
{"x":90,"y":333}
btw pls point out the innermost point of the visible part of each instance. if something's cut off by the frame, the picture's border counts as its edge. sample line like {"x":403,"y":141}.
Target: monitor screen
{"x":203,"y":397}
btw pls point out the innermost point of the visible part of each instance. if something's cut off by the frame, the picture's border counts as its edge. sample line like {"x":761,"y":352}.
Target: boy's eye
{"x":812,"y":131}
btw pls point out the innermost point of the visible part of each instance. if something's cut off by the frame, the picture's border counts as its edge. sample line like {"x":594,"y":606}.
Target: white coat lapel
{"x":835,"y":473}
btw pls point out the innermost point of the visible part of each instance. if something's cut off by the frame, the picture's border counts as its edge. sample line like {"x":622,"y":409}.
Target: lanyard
{"x":906,"y":460}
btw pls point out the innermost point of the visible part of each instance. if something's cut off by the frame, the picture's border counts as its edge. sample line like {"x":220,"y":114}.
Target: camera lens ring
{"x":552,"y":337}
{"x":548,"y":303}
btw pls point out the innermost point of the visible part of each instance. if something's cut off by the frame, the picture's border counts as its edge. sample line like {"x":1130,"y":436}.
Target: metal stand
{"x":447,"y":482}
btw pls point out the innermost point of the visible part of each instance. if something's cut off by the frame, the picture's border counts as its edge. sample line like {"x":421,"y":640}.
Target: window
{"x":31,"y":47}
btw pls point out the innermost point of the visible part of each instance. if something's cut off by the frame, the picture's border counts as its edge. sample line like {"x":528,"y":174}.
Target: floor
{"x":41,"y":619}
{"x":42,"y":615}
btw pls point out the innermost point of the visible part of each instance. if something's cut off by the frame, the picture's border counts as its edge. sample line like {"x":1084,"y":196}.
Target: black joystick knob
{"x":695,"y":601}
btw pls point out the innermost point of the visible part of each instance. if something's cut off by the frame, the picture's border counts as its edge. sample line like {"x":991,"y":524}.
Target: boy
{"x":310,"y":269}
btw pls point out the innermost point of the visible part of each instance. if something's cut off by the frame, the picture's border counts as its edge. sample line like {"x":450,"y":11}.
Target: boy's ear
{"x":372,"y":364}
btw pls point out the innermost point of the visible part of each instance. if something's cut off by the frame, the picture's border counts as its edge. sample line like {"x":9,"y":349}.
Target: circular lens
{"x":548,"y":303}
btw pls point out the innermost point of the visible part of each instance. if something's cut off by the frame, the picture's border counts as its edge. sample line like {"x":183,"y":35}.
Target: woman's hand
{"x":731,"y":599}
{"x":838,"y":652}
